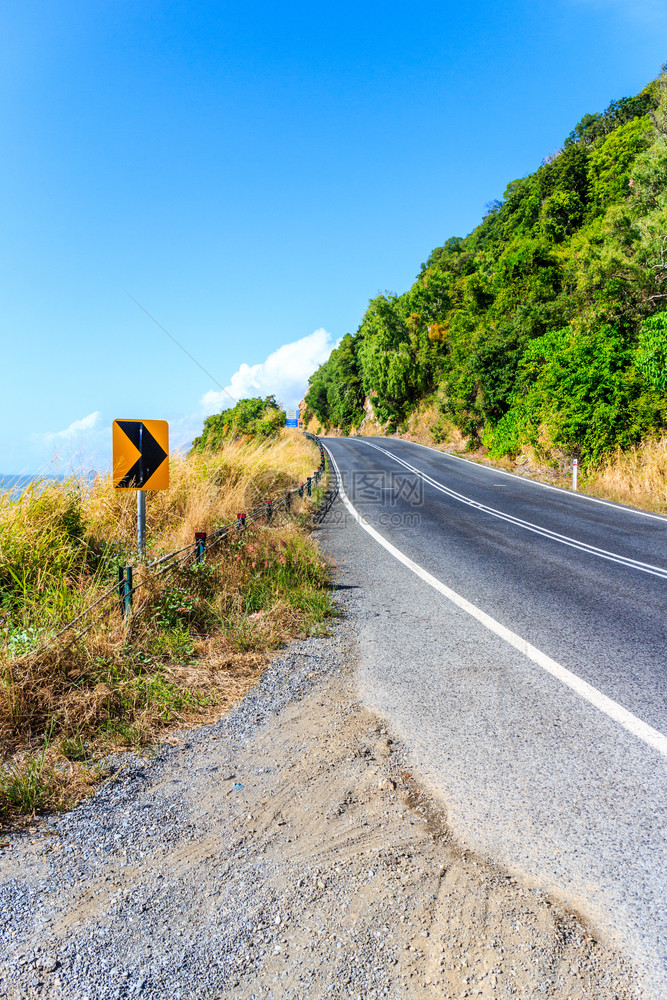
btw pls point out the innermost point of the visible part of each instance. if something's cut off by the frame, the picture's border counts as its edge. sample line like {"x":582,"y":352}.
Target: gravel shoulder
{"x":289,"y":851}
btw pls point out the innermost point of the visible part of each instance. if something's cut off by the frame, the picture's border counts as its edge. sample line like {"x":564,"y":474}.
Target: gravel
{"x":140,"y":943}
{"x":286,"y":851}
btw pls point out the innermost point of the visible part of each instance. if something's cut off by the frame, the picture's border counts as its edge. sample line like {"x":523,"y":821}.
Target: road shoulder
{"x":287,"y":851}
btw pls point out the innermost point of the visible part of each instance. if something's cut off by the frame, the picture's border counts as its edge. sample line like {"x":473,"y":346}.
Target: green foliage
{"x":528,"y":327}
{"x":580,"y":392}
{"x":278,"y":569}
{"x":391,"y":358}
{"x":652,"y":351}
{"x":610,"y":162}
{"x":186,"y":606}
{"x":260,"y":418}
{"x":400,"y":359}
{"x":335,"y":394}
{"x":31,"y":786}
{"x":596,"y":126}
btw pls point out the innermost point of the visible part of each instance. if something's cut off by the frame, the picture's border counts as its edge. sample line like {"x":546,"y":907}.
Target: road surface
{"x":514,"y":636}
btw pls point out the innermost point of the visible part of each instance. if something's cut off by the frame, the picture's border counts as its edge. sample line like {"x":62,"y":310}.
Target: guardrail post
{"x":240,"y":520}
{"x":300,"y":489}
{"x":288,"y":502}
{"x":309,"y":480}
{"x":269,"y":510}
{"x":200,"y":545}
{"x":125,"y":590}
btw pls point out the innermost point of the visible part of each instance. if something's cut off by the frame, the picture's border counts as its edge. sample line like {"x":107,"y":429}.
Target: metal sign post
{"x":141,"y":463}
{"x":141,"y":523}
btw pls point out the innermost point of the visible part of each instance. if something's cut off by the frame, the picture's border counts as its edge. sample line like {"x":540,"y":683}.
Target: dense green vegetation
{"x":259,"y":418}
{"x":543,"y":327}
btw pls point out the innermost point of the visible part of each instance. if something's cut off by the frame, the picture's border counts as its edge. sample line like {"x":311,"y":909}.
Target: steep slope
{"x":543,"y":327}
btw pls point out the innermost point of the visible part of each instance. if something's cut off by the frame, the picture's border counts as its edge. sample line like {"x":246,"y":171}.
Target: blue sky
{"x":252,"y":174}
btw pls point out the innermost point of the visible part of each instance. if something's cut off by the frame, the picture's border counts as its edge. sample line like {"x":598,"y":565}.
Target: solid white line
{"x":538,"y":529}
{"x":536,"y":482}
{"x":652,"y":737}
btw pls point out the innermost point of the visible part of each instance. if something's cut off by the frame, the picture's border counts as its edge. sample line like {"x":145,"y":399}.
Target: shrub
{"x":259,"y":418}
{"x":651,"y":356}
{"x":585,"y":389}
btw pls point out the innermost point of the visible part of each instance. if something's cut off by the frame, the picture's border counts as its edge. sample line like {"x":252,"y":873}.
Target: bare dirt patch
{"x":385,"y":898}
{"x":304,"y":862}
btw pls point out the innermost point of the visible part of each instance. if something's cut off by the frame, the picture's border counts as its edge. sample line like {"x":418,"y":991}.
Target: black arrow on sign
{"x":151,"y":458}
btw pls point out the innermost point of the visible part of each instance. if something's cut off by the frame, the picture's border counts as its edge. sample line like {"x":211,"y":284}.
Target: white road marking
{"x":633,"y":724}
{"x":538,"y":529}
{"x":538,"y":482}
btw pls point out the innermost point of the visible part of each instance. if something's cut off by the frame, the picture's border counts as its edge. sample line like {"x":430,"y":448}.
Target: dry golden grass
{"x":420,"y":424}
{"x":370,"y":428}
{"x":205,"y":490}
{"x":198,"y":638}
{"x":427,"y":425}
{"x":637,"y":477}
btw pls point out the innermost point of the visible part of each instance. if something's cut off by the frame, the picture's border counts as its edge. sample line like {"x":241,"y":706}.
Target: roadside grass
{"x":198,"y":638}
{"x":637,"y":477}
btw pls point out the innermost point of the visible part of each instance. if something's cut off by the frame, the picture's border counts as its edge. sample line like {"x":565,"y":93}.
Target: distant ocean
{"x":17,"y":484}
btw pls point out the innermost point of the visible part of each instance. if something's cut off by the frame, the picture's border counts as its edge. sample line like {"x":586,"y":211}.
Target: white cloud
{"x":283,"y":374}
{"x":77,"y":427}
{"x":83,"y":445}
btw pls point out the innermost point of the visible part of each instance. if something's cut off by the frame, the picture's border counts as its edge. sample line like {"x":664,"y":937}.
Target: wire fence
{"x":120,"y":595}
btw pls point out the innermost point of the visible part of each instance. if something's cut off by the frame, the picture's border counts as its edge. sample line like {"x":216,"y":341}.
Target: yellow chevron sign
{"x":140,"y":454}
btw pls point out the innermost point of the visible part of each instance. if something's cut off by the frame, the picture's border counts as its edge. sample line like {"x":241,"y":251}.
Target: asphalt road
{"x":531,"y":686}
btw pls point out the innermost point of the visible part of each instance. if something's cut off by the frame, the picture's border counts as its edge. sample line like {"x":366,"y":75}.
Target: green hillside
{"x":544,"y":327}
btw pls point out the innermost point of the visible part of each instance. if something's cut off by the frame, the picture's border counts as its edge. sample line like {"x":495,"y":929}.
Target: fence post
{"x":288,"y":502}
{"x":240,"y":520}
{"x":125,"y":590}
{"x":269,"y":510}
{"x":200,"y":545}
{"x":309,"y":480}
{"x":300,"y":489}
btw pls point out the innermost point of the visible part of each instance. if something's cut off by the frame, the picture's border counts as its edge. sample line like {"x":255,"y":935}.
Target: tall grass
{"x":205,"y":490}
{"x":202,"y":634}
{"x":637,"y":476}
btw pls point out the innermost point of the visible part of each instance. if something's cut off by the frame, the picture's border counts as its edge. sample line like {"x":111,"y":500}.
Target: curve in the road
{"x":527,"y":525}
{"x":546,"y":486}
{"x":640,"y":729}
